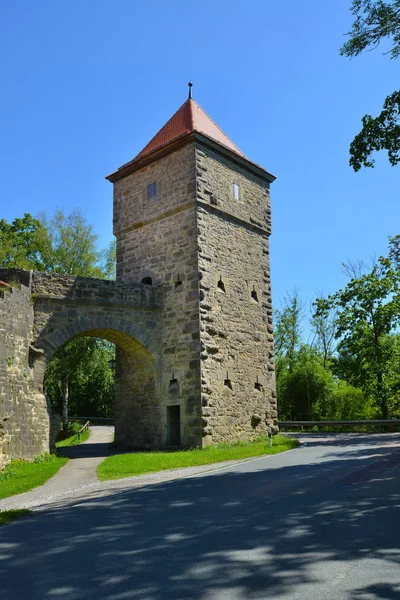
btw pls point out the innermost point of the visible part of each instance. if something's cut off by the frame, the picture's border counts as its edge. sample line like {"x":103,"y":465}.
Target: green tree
{"x":324,"y":329}
{"x":63,"y":244}
{"x":288,"y":326}
{"x":303,"y":385}
{"x":368,"y":313}
{"x":72,"y":249}
{"x":108,"y":260}
{"x":376,"y":20}
{"x":79,"y":378}
{"x":23,"y":244}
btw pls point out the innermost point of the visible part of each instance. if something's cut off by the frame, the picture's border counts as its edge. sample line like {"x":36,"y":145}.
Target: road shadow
{"x":272,"y":533}
{"x":87,"y":450}
{"x":95,"y":447}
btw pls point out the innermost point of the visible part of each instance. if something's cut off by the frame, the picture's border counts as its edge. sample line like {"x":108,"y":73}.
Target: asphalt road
{"x":317,"y":523}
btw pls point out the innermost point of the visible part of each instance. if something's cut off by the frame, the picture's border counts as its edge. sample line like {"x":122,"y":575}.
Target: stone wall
{"x":210,"y":254}
{"x":24,"y":415}
{"x":48,"y":311}
{"x":157,"y":238}
{"x":237,"y":369}
{"x":127,"y":315}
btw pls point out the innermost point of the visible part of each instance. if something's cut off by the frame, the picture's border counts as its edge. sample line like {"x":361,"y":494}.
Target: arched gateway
{"x":190,"y":312}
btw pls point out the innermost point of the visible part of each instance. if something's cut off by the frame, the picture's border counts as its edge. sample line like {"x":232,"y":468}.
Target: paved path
{"x":317,"y":523}
{"x":79,"y":471}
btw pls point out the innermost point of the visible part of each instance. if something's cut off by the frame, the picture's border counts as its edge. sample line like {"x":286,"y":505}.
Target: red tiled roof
{"x":188,"y":118}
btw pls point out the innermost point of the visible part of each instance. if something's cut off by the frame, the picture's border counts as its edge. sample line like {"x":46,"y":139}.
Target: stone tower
{"x":192,"y":215}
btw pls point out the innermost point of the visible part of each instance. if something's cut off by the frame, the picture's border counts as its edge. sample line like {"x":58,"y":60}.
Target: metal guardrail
{"x":302,"y":424}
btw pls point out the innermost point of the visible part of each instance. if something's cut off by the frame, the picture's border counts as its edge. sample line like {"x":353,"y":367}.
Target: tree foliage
{"x":79,"y":380}
{"x":374,"y":22}
{"x":288,"y":330}
{"x":23,"y":243}
{"x":71,"y":247}
{"x":350,"y":369}
{"x":368,"y":314}
{"x":63,"y":244}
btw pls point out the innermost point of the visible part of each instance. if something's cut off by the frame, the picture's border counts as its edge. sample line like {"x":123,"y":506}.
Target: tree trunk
{"x":382,"y":396}
{"x":65,"y":389}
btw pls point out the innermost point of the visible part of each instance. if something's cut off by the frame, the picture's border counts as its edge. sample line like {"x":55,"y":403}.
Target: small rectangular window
{"x":151,"y":190}
{"x":236,"y":191}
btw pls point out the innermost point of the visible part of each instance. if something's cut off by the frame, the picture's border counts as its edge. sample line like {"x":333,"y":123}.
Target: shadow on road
{"x":86,"y":450}
{"x":268,"y":534}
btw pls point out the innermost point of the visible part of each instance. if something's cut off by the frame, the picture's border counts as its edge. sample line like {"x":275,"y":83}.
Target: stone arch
{"x":85,"y":324}
{"x":138,"y":373}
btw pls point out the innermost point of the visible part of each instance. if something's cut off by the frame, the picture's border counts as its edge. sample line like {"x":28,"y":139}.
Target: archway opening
{"x":128,"y":392}
{"x":80,"y":380}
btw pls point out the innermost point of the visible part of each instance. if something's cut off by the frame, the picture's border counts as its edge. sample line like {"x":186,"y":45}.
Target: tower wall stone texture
{"x":237,"y":369}
{"x":210,"y":254}
{"x":157,"y":238}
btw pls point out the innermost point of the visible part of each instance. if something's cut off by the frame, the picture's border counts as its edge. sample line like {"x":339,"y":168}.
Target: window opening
{"x":178,"y":282}
{"x":258,"y":386}
{"x":147,"y":281}
{"x":151,"y":190}
{"x":173,"y":387}
{"x":221,"y":285}
{"x":254,"y":294}
{"x":236,"y":191}
{"x":228,"y":382}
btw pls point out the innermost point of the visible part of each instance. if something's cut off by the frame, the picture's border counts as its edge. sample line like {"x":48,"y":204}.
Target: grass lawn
{"x":72,"y":440}
{"x":21,"y":476}
{"x":125,"y":465}
{"x":7,"y":516}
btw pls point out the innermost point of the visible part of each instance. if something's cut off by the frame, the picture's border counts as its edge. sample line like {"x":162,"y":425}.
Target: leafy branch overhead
{"x":374,"y":22}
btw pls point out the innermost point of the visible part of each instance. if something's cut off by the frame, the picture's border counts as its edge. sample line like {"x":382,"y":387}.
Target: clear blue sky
{"x":85,"y":85}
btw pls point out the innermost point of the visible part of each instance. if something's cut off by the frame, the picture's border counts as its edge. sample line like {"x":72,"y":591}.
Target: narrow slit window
{"x":254,"y":294}
{"x":228,"y":382}
{"x":178,"y":282}
{"x":151,"y":190}
{"x":236,"y":191}
{"x":258,"y":386}
{"x":221,"y":285}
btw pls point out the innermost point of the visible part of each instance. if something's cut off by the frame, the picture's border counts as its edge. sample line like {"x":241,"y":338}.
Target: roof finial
{"x":190,"y":84}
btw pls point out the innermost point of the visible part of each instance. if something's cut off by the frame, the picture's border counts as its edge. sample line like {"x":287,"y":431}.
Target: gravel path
{"x":78,"y":480}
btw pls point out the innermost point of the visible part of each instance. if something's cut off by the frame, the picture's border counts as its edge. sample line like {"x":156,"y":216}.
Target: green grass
{"x":8,"y":516}
{"x":72,"y":440}
{"x":125,"y":465}
{"x":21,"y":476}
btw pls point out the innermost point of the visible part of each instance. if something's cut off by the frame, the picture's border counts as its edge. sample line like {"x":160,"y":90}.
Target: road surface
{"x":317,"y":523}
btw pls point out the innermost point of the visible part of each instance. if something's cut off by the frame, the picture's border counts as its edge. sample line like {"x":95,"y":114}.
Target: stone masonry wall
{"x":157,"y":238}
{"x":127,"y":315}
{"x":48,"y":311}
{"x":237,"y":369}
{"x":24,"y":415}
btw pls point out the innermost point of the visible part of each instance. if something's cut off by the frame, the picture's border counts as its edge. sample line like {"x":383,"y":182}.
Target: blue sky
{"x":87,"y":84}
